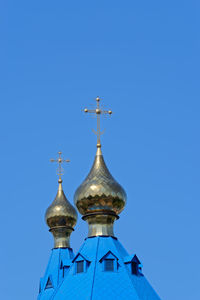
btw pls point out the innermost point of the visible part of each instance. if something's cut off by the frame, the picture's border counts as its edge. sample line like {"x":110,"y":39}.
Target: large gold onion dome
{"x":100,"y":193}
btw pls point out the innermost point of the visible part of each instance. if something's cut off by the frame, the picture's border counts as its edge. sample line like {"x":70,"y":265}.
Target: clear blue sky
{"x":142,"y":58}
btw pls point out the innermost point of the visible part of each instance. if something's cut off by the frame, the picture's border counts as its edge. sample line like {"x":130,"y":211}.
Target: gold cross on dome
{"x":98,"y":112}
{"x":60,"y":161}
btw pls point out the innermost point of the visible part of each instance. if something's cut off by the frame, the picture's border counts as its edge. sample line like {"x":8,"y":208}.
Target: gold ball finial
{"x":110,"y":112}
{"x":59,"y":180}
{"x":98,"y":111}
{"x":97,"y":99}
{"x":85,"y":110}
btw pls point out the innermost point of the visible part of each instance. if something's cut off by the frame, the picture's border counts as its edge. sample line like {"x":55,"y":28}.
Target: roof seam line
{"x":94,"y":270}
{"x":127,"y":271}
{"x":56,"y":290}
{"x":58,"y":268}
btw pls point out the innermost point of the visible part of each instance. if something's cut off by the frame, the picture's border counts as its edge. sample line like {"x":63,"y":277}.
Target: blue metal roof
{"x":94,"y":283}
{"x":59,"y":259}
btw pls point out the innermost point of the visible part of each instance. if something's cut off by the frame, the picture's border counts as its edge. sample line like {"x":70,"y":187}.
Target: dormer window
{"x":134,"y":268}
{"x":109,"y":265}
{"x":49,"y":284}
{"x":109,"y":262}
{"x":80,"y":266}
{"x":134,"y":265}
{"x":64,"y":266}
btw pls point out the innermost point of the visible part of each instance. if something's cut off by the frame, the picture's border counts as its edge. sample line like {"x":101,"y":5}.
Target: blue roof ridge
{"x":49,"y":263}
{"x":94,"y":269}
{"x":115,"y":242}
{"x":59,"y":261}
{"x":127,"y":271}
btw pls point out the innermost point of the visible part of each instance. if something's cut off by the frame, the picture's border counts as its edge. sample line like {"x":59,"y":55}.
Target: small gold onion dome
{"x":100,"y":193}
{"x":61,"y":217}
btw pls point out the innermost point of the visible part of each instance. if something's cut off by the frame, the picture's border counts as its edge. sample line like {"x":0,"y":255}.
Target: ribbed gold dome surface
{"x":61,"y":217}
{"x":100,"y":192}
{"x":61,"y":212}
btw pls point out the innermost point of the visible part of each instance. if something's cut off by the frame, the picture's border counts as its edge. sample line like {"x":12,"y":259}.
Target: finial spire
{"x":60,"y":161}
{"x":98,"y":112}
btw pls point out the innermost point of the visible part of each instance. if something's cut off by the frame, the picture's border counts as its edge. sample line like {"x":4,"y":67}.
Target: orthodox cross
{"x":60,"y":161}
{"x":98,"y":112}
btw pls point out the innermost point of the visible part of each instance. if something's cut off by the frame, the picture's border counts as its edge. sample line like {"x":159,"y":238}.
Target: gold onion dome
{"x":61,"y":217}
{"x":61,"y":212}
{"x":100,"y":198}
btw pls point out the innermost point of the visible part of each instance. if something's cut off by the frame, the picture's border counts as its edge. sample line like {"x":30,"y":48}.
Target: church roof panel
{"x":96,"y":284}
